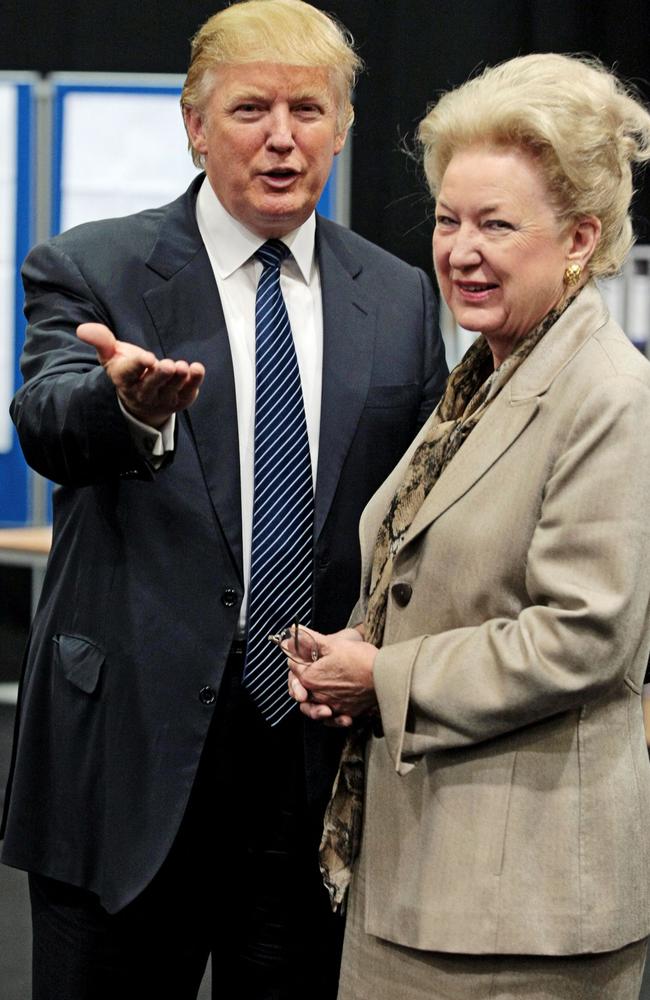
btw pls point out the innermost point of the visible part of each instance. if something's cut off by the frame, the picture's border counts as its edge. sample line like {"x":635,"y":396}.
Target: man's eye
{"x":247,"y":109}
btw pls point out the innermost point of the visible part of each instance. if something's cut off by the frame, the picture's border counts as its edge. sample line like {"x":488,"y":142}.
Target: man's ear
{"x":339,"y":141}
{"x":194,"y":123}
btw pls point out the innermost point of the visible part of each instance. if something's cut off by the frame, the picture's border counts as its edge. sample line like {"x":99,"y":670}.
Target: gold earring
{"x":572,"y":275}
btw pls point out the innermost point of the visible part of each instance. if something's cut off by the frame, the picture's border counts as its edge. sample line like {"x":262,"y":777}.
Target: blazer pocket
{"x":393,"y":395}
{"x":633,"y":685}
{"x":80,"y":660}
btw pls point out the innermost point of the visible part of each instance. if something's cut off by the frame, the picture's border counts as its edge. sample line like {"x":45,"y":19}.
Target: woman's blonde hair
{"x":585,"y":128}
{"x":279,"y":31}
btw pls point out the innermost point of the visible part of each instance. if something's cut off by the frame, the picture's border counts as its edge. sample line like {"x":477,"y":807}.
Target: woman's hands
{"x":338,"y":686}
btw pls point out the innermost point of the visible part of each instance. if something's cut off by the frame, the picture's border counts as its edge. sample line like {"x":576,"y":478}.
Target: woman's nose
{"x":465,"y":250}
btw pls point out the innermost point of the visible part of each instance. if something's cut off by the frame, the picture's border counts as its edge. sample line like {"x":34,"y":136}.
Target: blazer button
{"x":229,"y":597}
{"x":401,"y":594}
{"x":207,"y":695}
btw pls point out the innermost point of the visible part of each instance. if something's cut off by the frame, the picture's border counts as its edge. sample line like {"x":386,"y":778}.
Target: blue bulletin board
{"x":18,"y":102}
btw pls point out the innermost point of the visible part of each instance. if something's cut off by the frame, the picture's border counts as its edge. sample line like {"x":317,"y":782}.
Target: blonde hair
{"x":279,"y":31}
{"x":584,"y":127}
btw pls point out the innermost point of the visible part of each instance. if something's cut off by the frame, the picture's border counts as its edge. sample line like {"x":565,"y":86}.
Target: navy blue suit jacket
{"x":144,"y":584}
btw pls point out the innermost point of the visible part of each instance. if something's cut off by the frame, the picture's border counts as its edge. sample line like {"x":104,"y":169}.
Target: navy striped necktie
{"x":283,"y":501}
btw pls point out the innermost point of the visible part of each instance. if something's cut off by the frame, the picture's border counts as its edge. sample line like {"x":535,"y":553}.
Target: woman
{"x":504,"y":625}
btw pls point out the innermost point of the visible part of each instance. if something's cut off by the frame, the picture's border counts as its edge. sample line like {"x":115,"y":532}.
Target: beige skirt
{"x":374,"y":969}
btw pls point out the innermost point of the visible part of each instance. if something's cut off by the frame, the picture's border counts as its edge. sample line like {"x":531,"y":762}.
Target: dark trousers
{"x":241,"y":883}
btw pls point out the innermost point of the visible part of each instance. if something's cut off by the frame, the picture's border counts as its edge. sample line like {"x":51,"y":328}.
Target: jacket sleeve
{"x":587,"y":575}
{"x":67,"y":416}
{"x":435,"y":365}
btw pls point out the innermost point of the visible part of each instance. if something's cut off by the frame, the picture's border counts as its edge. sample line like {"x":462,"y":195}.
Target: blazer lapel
{"x":498,"y":429}
{"x":349,"y":326}
{"x":514,"y":408}
{"x":188,"y":317}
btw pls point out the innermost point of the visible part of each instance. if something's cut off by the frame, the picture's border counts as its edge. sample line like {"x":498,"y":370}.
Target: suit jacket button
{"x":229,"y":597}
{"x":401,"y":594}
{"x":207,"y":695}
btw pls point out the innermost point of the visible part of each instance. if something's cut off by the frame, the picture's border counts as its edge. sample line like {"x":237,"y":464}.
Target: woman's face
{"x":498,"y":249}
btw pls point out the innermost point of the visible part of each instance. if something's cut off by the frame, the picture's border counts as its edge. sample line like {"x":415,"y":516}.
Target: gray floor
{"x":15,"y":948}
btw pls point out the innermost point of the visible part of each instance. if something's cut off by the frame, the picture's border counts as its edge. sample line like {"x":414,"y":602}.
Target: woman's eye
{"x":498,"y":224}
{"x":445,"y":220}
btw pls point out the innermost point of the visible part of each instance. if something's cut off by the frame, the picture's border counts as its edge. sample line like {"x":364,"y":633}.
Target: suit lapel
{"x":349,"y":325}
{"x":188,"y":317}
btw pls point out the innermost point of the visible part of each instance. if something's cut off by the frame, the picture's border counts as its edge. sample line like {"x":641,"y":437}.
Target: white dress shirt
{"x":231,"y":248}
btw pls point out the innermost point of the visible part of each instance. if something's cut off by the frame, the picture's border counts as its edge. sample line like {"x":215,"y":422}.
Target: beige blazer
{"x":508,"y":806}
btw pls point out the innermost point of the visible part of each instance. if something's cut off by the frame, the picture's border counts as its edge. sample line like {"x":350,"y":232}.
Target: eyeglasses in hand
{"x":297,"y":644}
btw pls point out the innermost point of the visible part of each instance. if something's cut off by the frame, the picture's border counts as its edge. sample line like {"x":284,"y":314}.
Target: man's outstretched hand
{"x":151,"y":390}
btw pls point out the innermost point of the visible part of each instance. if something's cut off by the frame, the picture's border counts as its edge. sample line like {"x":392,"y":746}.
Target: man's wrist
{"x":153,"y":443}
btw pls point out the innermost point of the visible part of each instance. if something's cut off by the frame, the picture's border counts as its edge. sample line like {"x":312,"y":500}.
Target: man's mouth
{"x":280,"y":176}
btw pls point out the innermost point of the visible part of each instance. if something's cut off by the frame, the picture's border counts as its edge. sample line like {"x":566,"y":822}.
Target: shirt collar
{"x":231,"y":244}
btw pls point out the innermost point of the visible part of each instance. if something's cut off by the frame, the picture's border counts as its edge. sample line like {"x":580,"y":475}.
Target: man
{"x":165,"y":798}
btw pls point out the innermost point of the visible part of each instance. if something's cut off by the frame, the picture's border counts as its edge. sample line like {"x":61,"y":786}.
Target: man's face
{"x":268,"y":136}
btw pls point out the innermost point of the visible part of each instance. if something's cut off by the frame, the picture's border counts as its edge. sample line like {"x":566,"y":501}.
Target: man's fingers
{"x":130,"y":360}
{"x":175,"y":379}
{"x":99,"y":337}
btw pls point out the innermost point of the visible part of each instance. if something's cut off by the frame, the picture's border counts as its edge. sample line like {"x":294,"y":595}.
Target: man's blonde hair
{"x":279,"y":31}
{"x":584,"y":127}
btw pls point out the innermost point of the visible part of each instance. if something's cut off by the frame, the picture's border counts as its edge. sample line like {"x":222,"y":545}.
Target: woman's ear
{"x":584,"y":236}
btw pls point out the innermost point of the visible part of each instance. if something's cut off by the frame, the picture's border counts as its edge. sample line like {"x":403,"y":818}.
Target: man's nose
{"x":280,"y":135}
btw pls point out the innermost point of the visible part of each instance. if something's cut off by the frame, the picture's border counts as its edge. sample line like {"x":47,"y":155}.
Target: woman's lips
{"x":474,"y":291}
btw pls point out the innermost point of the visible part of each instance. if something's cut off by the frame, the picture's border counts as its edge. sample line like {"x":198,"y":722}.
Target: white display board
{"x":119,"y":146}
{"x":628,"y":296}
{"x":8,"y":196}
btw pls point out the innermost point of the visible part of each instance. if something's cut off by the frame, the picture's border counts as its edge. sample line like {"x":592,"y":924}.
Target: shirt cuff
{"x":152,"y":443}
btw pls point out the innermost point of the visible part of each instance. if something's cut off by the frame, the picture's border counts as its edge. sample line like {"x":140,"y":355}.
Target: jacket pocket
{"x":80,"y":660}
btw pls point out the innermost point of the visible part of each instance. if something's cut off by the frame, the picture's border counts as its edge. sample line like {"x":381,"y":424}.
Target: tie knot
{"x":272,"y":253}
